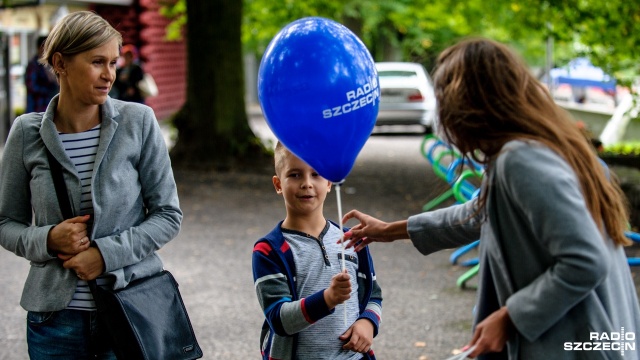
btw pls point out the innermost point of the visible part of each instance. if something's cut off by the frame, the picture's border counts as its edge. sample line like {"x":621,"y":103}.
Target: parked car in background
{"x":406,"y":95}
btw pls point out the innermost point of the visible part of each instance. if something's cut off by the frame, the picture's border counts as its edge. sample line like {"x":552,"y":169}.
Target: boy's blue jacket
{"x":273,"y":266}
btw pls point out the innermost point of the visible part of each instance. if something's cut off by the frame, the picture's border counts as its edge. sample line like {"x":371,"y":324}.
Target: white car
{"x":406,"y":95}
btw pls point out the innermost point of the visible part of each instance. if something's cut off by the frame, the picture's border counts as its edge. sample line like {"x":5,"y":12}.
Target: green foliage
{"x":263,"y":18}
{"x":177,"y":12}
{"x":607,"y":32}
{"x":623,"y":148}
{"x":610,"y":32}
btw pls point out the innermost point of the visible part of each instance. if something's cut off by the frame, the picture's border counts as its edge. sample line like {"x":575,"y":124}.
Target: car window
{"x":396,"y":73}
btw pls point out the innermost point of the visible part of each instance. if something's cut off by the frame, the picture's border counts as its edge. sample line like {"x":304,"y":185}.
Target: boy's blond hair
{"x":279,"y":154}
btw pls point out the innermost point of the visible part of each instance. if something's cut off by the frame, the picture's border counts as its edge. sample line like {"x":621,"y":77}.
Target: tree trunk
{"x":213,"y":129}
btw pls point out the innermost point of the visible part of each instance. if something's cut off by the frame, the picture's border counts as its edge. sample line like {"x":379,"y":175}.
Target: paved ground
{"x":227,"y":213}
{"x":425,"y":315}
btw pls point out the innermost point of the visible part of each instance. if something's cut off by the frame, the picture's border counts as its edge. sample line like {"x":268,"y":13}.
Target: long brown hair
{"x":487,"y":96}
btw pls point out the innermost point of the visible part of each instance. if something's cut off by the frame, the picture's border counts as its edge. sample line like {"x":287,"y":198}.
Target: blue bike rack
{"x":635,"y":237}
{"x":456,"y":173}
{"x":455,"y":256}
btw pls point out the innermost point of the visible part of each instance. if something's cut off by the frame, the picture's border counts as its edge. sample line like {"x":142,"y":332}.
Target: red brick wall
{"x":143,"y":26}
{"x":124,"y":19}
{"x":166,"y":61}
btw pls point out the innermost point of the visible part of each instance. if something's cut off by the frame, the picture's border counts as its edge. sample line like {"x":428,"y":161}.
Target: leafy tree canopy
{"x":607,"y":32}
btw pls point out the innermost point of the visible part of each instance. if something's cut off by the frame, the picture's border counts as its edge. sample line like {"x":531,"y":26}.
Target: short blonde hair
{"x":75,"y":33}
{"x":279,"y":154}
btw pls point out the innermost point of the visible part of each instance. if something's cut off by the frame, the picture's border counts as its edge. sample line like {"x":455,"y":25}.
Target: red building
{"x":142,"y":25}
{"x":139,"y":21}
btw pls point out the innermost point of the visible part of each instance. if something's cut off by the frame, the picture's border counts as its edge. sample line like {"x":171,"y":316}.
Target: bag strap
{"x":62,"y":194}
{"x":61,"y":187}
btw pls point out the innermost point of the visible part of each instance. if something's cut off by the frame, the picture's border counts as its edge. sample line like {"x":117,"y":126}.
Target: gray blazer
{"x":134,"y":198}
{"x":541,"y":255}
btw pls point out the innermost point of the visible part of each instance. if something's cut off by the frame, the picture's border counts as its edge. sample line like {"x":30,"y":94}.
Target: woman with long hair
{"x":550,"y":221}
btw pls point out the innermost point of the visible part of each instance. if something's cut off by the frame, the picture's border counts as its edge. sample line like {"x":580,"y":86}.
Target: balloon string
{"x":341,"y":240}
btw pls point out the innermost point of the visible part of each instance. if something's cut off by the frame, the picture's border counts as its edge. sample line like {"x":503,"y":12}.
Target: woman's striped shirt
{"x":82,"y":149}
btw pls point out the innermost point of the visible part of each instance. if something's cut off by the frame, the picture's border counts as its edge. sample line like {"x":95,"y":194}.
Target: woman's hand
{"x":492,"y":333}
{"x":70,"y":236}
{"x":371,"y":229}
{"x":88,"y":264}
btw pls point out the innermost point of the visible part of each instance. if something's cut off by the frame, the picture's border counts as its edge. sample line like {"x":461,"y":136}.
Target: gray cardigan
{"x":541,"y":255}
{"x":135,"y":199}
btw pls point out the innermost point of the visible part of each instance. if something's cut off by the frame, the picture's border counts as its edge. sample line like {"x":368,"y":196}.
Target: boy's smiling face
{"x":303,"y":189}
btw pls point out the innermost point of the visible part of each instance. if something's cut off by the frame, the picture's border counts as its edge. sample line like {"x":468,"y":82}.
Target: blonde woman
{"x":120,"y":185}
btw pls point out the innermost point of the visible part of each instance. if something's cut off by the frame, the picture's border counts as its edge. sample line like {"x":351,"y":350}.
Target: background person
{"x":550,"y":223}
{"x":300,"y":298}
{"x":41,"y":83}
{"x":128,"y":76}
{"x":120,"y":184}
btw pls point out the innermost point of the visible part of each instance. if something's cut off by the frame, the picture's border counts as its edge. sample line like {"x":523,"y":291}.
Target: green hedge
{"x":623,"y":148}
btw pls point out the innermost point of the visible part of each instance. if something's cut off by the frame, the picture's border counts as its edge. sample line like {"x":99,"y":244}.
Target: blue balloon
{"x":318,"y":89}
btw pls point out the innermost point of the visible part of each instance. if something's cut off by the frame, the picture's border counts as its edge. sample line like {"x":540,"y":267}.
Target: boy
{"x":298,"y":278}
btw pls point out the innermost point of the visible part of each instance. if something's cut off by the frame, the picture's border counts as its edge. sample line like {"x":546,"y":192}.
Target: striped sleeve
{"x":285,"y":315}
{"x":373,"y":308}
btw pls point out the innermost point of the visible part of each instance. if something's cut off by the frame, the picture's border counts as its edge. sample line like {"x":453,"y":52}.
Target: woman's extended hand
{"x":371,"y":229}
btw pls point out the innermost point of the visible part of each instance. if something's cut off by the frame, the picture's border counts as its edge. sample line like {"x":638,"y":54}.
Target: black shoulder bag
{"x":147,"y":319}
